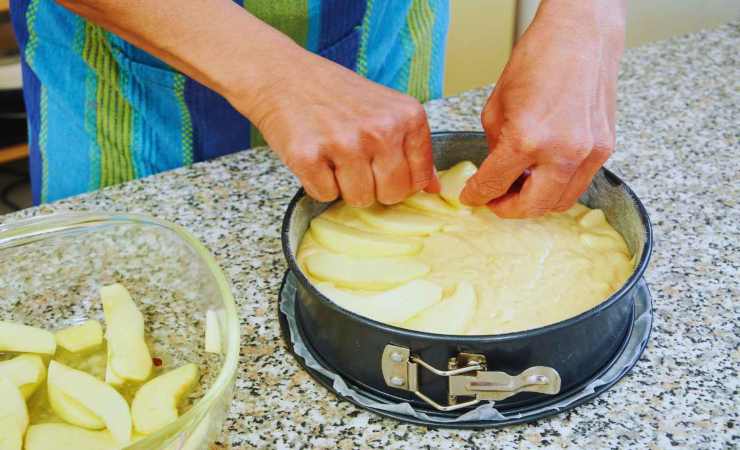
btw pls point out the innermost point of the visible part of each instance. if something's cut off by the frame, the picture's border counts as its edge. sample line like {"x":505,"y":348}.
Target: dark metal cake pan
{"x":450,"y":372}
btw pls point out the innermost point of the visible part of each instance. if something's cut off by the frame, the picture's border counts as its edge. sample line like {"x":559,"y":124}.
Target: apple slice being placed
{"x":78,"y":338}
{"x":399,"y":220}
{"x":16,"y":337}
{"x":392,"y":307}
{"x":352,"y":241}
{"x":13,"y":415}
{"x":155,"y":403}
{"x":27,"y":372}
{"x":364,"y":273}
{"x":99,"y":398}
{"x":72,"y":411}
{"x":129,"y":355}
{"x":52,"y":436}
{"x":453,"y":181}
{"x":450,"y":316}
{"x":425,"y":201}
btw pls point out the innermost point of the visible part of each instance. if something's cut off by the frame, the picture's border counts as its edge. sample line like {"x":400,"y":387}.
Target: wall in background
{"x":651,"y":20}
{"x":479,"y":42}
{"x":482,"y":32}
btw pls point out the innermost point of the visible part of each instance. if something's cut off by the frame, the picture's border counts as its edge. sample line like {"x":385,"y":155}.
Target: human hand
{"x":550,"y":119}
{"x":343,"y":135}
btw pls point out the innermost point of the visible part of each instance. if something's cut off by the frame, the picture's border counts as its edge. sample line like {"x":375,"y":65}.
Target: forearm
{"x":206,"y":39}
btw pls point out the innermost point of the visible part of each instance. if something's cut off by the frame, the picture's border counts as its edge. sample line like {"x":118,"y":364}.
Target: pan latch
{"x":469,"y":381}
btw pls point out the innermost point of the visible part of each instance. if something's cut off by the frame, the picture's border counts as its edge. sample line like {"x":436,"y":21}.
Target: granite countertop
{"x":677,"y":147}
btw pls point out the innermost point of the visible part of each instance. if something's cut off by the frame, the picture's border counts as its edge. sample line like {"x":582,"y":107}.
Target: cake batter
{"x":526,"y":273}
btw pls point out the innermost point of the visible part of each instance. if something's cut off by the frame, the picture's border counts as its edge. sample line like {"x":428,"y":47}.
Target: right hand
{"x":341,"y":134}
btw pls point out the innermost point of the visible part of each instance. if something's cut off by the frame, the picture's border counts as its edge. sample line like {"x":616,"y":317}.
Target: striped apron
{"x":102,"y":111}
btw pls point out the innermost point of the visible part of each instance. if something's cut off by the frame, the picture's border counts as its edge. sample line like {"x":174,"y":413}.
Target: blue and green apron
{"x":101,"y":111}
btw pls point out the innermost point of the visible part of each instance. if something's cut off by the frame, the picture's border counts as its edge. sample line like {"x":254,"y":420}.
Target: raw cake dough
{"x":433,"y":265}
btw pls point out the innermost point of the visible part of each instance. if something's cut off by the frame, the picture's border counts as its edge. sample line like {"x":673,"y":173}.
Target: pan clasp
{"x":468,"y":378}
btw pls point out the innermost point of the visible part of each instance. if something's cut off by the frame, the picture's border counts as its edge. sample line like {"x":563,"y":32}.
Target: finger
{"x":356,"y":184}
{"x":581,"y":180}
{"x":417,"y":146}
{"x":495,"y":176}
{"x":320,"y":183}
{"x":392,"y":177}
{"x":492,"y":119}
{"x":540,"y":193}
{"x":434,"y":186}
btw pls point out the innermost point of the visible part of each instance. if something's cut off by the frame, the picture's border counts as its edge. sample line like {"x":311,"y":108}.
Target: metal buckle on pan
{"x":467,"y":378}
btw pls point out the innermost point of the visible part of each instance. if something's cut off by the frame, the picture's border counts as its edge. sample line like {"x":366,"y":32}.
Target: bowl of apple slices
{"x":385,"y":305}
{"x":116,"y":331}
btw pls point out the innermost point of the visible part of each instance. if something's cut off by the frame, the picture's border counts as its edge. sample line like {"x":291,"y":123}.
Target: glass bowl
{"x":51,"y":272}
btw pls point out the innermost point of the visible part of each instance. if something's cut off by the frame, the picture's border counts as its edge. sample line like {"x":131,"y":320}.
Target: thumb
{"x":495,"y":176}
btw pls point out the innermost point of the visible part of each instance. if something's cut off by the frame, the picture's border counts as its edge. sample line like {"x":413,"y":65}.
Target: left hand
{"x":550,"y":119}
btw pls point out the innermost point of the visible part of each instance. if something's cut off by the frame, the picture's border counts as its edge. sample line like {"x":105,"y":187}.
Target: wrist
{"x":253,"y":75}
{"x":601,"y":22}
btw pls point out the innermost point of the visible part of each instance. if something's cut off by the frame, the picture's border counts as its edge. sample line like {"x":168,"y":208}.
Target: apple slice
{"x":399,"y":220}
{"x":11,"y":437}
{"x":365,"y":273}
{"x":453,"y":181}
{"x":592,"y":219}
{"x":352,"y":241}
{"x":13,"y":414}
{"x":450,"y":316}
{"x":78,"y":338}
{"x":52,"y":436}
{"x":27,"y":372}
{"x":111,"y":377}
{"x":425,"y":201}
{"x":600,"y":242}
{"x":129,"y":355}
{"x":213,"y":332}
{"x":155,"y":403}
{"x":393,"y":307}
{"x":72,"y":411}
{"x":576,"y":210}
{"x":98,"y":397}
{"x":16,"y":337}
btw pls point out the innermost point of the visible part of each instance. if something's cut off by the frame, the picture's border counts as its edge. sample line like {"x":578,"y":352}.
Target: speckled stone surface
{"x":677,"y":147}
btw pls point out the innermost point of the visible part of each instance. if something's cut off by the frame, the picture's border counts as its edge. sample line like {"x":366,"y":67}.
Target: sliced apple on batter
{"x":129,"y":357}
{"x":52,"y":436}
{"x":13,"y":415}
{"x":27,"y":372}
{"x":399,"y":220}
{"x":155,"y":403}
{"x":453,"y":181}
{"x":99,"y":398}
{"x":450,"y":316}
{"x":82,"y":337}
{"x":576,"y":210}
{"x":432,"y":203}
{"x":394,"y":306}
{"x":593,"y":218}
{"x":600,"y":242}
{"x":72,"y":411}
{"x":364,"y":273}
{"x":16,"y":337}
{"x":352,"y":241}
